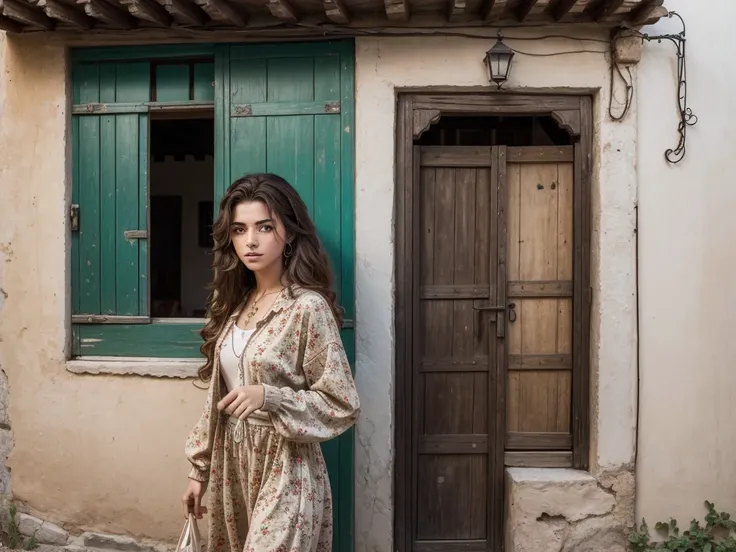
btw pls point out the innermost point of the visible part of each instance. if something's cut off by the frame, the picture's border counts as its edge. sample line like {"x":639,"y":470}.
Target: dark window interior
{"x":181,"y":177}
{"x":494,"y":131}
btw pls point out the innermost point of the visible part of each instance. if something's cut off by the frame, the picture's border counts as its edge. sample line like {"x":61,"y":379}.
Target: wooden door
{"x":540,"y":274}
{"x":492,"y":341}
{"x":458,"y":358}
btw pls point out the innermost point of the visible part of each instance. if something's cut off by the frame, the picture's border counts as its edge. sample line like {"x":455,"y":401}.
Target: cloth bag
{"x":189,"y":541}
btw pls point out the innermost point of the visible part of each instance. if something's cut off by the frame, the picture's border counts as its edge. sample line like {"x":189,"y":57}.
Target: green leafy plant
{"x":716,"y":536}
{"x":15,"y":539}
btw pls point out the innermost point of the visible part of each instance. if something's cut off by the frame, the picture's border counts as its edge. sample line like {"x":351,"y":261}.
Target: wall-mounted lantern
{"x":498,"y":61}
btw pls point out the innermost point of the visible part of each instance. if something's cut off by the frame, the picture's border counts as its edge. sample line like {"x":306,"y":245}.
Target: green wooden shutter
{"x":110,"y":167}
{"x":288,"y":109}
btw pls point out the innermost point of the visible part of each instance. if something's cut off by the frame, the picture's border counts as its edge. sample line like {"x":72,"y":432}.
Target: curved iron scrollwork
{"x":687,"y":117}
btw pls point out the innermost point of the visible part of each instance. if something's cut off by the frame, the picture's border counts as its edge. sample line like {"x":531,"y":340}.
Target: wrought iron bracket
{"x":687,"y":117}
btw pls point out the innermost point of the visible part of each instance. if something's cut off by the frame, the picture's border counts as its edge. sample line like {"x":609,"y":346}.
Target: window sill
{"x":122,"y":366}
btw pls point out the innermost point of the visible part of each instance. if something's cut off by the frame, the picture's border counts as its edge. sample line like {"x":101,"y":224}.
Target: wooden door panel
{"x":540,"y":272}
{"x":452,"y":363}
{"x":455,"y":507}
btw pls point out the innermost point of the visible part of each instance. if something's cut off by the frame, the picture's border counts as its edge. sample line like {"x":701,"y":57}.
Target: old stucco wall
{"x":81,"y":457}
{"x":385,"y":65}
{"x":687,"y":266}
{"x":95,"y":452}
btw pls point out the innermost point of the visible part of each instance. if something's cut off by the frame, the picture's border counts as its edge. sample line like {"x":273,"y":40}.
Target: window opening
{"x":181,"y":184}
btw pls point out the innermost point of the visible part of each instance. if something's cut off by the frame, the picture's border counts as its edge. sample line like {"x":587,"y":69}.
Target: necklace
{"x":248,"y":317}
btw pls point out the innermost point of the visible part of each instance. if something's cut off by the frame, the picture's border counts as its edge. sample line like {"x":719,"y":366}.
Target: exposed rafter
{"x":494,"y":9}
{"x":7,"y":24}
{"x":282,"y":9}
{"x":336,"y":11}
{"x":23,"y":13}
{"x":561,"y":10}
{"x":397,"y":10}
{"x":191,"y":14}
{"x":647,"y":13}
{"x":526,"y":8}
{"x":596,"y":10}
{"x":456,"y":10}
{"x":225,"y":9}
{"x":64,"y":12}
{"x":150,"y":10}
{"x":99,"y":9}
{"x":344,"y":15}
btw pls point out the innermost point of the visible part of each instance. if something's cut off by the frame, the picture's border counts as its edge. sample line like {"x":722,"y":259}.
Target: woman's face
{"x":258,"y":237}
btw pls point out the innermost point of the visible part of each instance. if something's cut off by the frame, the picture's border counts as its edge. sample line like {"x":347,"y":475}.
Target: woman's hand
{"x":192,"y":499}
{"x":241,"y":402}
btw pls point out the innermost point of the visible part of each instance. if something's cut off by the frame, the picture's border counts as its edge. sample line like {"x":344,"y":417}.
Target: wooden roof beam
{"x":494,"y":10}
{"x":456,"y":10}
{"x":105,"y":12}
{"x":397,"y":10}
{"x":226,"y":9}
{"x":597,"y":10}
{"x":531,"y":9}
{"x":64,"y":12}
{"x":7,"y":24}
{"x":22,"y":12}
{"x":561,"y":10}
{"x":191,"y":14}
{"x":150,"y":10}
{"x":282,"y":9}
{"x":336,"y":11}
{"x":647,"y":13}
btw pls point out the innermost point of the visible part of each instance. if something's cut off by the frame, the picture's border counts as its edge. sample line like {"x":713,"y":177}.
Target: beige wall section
{"x":382,"y":66}
{"x":98,"y":452}
{"x":687,"y":266}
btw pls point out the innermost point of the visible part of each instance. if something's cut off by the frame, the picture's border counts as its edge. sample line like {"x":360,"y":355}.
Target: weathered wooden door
{"x":493,"y":244}
{"x":459,"y":348}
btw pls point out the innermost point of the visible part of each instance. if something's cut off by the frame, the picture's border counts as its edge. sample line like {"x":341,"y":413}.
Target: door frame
{"x":417,"y":110}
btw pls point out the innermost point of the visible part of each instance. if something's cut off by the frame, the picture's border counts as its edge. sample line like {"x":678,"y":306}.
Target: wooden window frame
{"x":147,"y":337}
{"x":417,"y":110}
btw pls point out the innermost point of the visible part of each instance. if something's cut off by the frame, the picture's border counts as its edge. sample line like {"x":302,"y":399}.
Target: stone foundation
{"x":52,"y":538}
{"x":565,"y":510}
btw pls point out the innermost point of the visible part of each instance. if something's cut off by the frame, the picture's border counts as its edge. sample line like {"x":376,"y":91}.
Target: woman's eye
{"x":266,"y":228}
{"x":237,"y":230}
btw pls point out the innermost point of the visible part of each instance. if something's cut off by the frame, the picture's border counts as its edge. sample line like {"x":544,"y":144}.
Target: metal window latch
{"x":74,"y":217}
{"x":135,"y":234}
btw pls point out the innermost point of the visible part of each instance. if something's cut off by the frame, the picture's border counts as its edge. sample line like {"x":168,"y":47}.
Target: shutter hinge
{"x":74,"y":217}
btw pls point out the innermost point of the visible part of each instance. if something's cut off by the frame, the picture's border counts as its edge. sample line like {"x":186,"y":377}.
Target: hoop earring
{"x":288,"y":252}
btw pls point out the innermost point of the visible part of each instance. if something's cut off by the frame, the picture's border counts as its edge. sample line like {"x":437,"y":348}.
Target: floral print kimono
{"x":268,"y":484}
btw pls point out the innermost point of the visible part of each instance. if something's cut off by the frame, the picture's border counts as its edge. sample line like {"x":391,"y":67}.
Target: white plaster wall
{"x":382,"y":66}
{"x":687,"y":266}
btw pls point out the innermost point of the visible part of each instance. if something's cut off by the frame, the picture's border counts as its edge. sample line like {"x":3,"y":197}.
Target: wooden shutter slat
{"x":111,"y":155}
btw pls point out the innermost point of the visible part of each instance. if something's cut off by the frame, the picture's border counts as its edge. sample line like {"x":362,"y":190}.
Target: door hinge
{"x":74,"y":217}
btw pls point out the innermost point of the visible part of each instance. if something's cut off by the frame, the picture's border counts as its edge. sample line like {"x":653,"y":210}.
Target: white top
{"x":233,"y":347}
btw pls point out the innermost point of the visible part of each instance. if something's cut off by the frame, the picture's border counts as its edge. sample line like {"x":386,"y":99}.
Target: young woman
{"x":280,"y":382}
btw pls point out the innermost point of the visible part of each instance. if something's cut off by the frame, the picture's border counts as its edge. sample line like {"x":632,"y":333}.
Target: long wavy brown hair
{"x":307,"y":266}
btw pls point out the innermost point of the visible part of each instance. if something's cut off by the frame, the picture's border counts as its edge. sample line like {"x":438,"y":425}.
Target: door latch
{"x":500,"y":317}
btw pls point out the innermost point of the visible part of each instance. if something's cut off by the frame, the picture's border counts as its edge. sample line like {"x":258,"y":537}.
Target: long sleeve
{"x":330,"y":405}
{"x":198,"y":447}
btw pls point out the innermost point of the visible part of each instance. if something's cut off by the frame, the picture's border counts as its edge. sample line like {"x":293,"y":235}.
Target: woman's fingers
{"x":227,"y":399}
{"x":241,"y":409}
{"x":247,"y":412}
